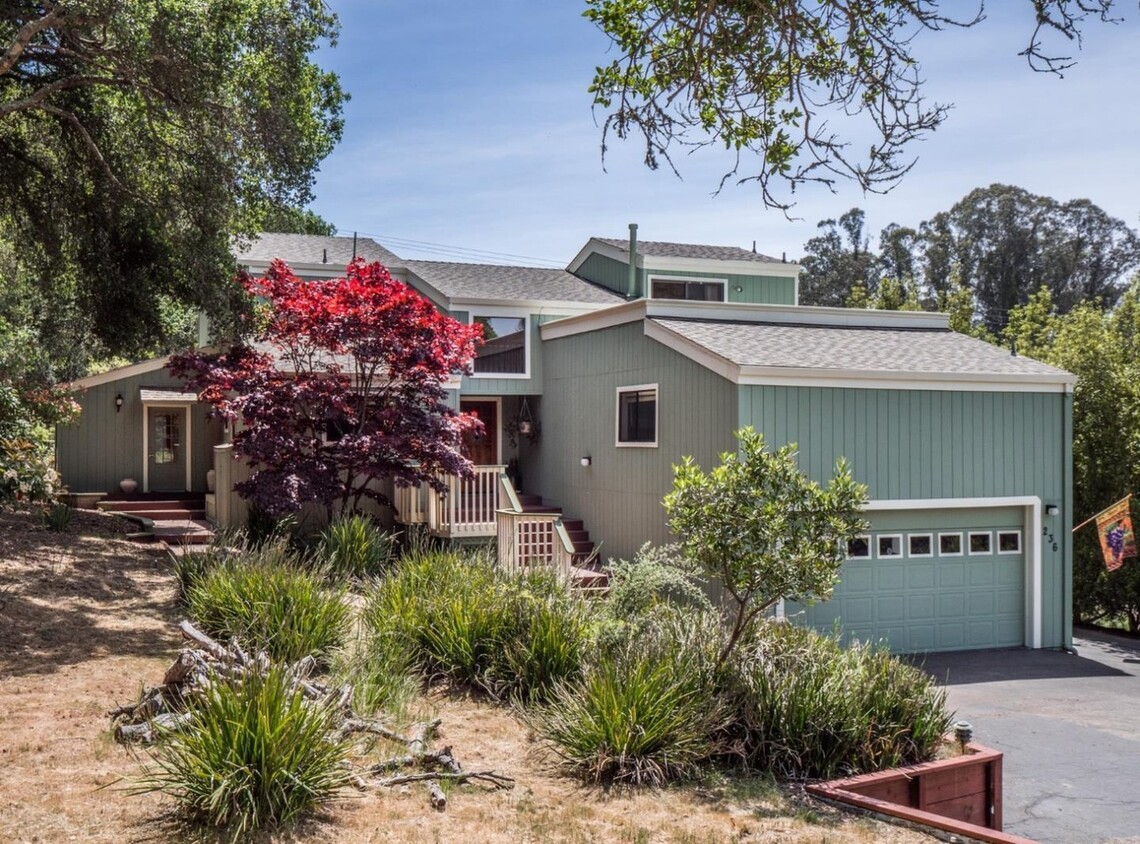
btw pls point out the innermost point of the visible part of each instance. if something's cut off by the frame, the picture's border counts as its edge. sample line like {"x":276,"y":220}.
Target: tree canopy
{"x":137,"y":138}
{"x":341,"y":385}
{"x":769,"y":77}
{"x":987,"y":254}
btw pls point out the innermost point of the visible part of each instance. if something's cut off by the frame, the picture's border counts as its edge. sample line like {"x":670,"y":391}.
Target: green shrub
{"x":647,"y":716}
{"x":58,"y":517}
{"x":807,"y":707}
{"x":255,"y":754}
{"x":268,"y":602}
{"x":353,"y":546}
{"x":461,"y":618}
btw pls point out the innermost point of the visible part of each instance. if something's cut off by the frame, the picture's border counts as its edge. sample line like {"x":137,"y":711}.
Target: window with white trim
{"x":690,"y":289}
{"x":949,"y":544}
{"x":890,"y":545}
{"x":637,"y":415}
{"x":859,"y":548}
{"x":980,"y":542}
{"x":920,"y":545}
{"x":1009,"y":542}
{"x":505,"y":348}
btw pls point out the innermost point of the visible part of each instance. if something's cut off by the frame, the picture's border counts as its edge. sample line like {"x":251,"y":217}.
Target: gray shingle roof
{"x":315,"y":249}
{"x":663,"y":249}
{"x":887,"y":350}
{"x":490,"y":281}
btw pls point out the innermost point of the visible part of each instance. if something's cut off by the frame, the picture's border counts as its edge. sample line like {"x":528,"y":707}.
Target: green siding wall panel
{"x":755,"y":289}
{"x":913,"y":444}
{"x":619,"y":495}
{"x":107,"y":446}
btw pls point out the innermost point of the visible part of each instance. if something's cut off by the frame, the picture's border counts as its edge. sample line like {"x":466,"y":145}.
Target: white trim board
{"x":1032,"y":547}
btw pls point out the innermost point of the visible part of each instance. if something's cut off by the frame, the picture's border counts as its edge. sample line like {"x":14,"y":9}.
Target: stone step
{"x":135,"y":505}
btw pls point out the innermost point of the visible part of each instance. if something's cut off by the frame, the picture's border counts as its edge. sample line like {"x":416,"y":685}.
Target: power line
{"x":451,"y":251}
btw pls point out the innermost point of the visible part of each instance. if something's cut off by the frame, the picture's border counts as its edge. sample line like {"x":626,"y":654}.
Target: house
{"x":640,"y":352}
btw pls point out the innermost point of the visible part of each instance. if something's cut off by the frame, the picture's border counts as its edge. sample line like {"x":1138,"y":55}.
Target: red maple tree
{"x":341,"y":385}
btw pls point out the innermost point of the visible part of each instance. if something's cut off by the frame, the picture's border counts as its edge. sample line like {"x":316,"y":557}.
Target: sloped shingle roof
{"x":490,"y":281}
{"x":315,"y":249}
{"x":839,"y":348}
{"x":663,"y":249}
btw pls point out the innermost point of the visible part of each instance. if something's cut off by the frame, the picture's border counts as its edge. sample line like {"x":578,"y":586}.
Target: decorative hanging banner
{"x":1114,"y":527}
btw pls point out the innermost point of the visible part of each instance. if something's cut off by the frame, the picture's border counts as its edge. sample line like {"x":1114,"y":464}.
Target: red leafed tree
{"x":341,"y":385}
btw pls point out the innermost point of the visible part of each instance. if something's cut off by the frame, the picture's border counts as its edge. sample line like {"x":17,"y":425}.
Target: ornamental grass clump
{"x":267,"y":600}
{"x":460,"y":618}
{"x":353,"y":546}
{"x":645,"y":716}
{"x":255,"y":754}
{"x":804,"y":706}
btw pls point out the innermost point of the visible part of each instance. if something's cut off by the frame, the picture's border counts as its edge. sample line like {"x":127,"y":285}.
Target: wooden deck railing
{"x":526,"y":540}
{"x":465,"y":510}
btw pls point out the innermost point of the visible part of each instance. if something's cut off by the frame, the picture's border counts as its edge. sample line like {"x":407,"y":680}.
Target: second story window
{"x":692,"y":289}
{"x":504,"y":349}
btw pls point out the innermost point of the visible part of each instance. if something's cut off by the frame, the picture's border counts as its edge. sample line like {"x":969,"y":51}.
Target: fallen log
{"x":497,"y":780}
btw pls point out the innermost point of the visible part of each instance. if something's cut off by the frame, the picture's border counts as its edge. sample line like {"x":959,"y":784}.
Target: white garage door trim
{"x":1032,"y":505}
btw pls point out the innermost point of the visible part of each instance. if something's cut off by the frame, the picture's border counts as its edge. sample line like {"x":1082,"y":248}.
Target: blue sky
{"x":470,"y":127}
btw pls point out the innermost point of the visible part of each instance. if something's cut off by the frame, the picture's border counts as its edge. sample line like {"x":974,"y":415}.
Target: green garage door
{"x":932,"y":581}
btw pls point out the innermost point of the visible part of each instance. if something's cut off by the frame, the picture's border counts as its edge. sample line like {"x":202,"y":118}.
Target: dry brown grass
{"x":86,"y":618}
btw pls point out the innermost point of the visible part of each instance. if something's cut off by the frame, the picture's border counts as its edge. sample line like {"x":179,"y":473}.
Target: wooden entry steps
{"x":587,"y":571}
{"x":177,"y":519}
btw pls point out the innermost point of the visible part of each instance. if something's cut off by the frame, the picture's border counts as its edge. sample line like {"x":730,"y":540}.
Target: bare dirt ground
{"x":87,"y":618}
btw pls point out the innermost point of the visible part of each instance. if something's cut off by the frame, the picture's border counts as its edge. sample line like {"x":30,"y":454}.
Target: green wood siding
{"x":756,"y":289}
{"x":913,"y":444}
{"x":619,"y":495}
{"x":611,"y":274}
{"x":104,"y":446}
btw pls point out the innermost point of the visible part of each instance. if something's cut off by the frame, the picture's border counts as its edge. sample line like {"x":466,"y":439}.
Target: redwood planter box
{"x":960,"y":795}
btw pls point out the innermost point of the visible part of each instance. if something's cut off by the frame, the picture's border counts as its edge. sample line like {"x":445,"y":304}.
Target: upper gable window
{"x":637,"y":415}
{"x":504,"y":352}
{"x":691,"y":289}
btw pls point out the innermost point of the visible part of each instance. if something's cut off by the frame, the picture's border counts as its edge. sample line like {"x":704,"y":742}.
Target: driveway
{"x":1069,"y":726}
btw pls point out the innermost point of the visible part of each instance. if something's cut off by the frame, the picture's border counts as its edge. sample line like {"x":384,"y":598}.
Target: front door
{"x":482,"y":449}
{"x":166,"y":449}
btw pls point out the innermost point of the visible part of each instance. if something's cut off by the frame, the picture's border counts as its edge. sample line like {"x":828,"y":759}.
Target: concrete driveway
{"x":1069,"y":726}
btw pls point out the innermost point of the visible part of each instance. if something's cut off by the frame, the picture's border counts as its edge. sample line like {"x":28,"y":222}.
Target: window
{"x":949,"y":545}
{"x":504,"y":349}
{"x":920,"y":545}
{"x":981,"y":542}
{"x":692,"y":289}
{"x":637,"y":415}
{"x":859,"y":548}
{"x":1009,"y":542}
{"x":890,"y":546}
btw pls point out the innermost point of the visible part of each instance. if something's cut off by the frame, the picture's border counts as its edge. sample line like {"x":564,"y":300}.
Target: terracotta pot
{"x":128,"y":485}
{"x":211,"y":480}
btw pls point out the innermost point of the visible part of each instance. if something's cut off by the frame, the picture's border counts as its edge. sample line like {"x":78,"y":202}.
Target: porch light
{"x":1052,"y":509}
{"x":586,"y":461}
{"x":118,"y":402}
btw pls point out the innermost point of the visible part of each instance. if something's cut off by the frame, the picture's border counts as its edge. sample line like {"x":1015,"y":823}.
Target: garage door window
{"x":949,"y":545}
{"x":859,"y":548}
{"x":920,"y":545}
{"x":981,"y":543}
{"x":1009,"y":542}
{"x":890,"y":545}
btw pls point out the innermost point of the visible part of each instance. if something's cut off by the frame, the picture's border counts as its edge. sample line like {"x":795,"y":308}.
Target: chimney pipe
{"x":631,"y":291}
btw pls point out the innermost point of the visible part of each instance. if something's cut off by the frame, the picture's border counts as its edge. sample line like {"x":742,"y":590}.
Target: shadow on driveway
{"x":965,"y":667}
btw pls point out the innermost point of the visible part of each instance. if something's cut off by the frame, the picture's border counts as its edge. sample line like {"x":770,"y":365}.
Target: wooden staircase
{"x":179,"y":519}
{"x":588,"y":572}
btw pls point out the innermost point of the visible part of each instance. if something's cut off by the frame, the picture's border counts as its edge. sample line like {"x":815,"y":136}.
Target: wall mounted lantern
{"x":586,"y":461}
{"x":118,"y":403}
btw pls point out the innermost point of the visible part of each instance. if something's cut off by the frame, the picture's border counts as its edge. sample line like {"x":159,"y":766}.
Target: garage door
{"x":932,"y":581}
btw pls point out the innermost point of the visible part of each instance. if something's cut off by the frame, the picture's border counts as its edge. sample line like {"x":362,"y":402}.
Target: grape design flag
{"x":1114,"y":527}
